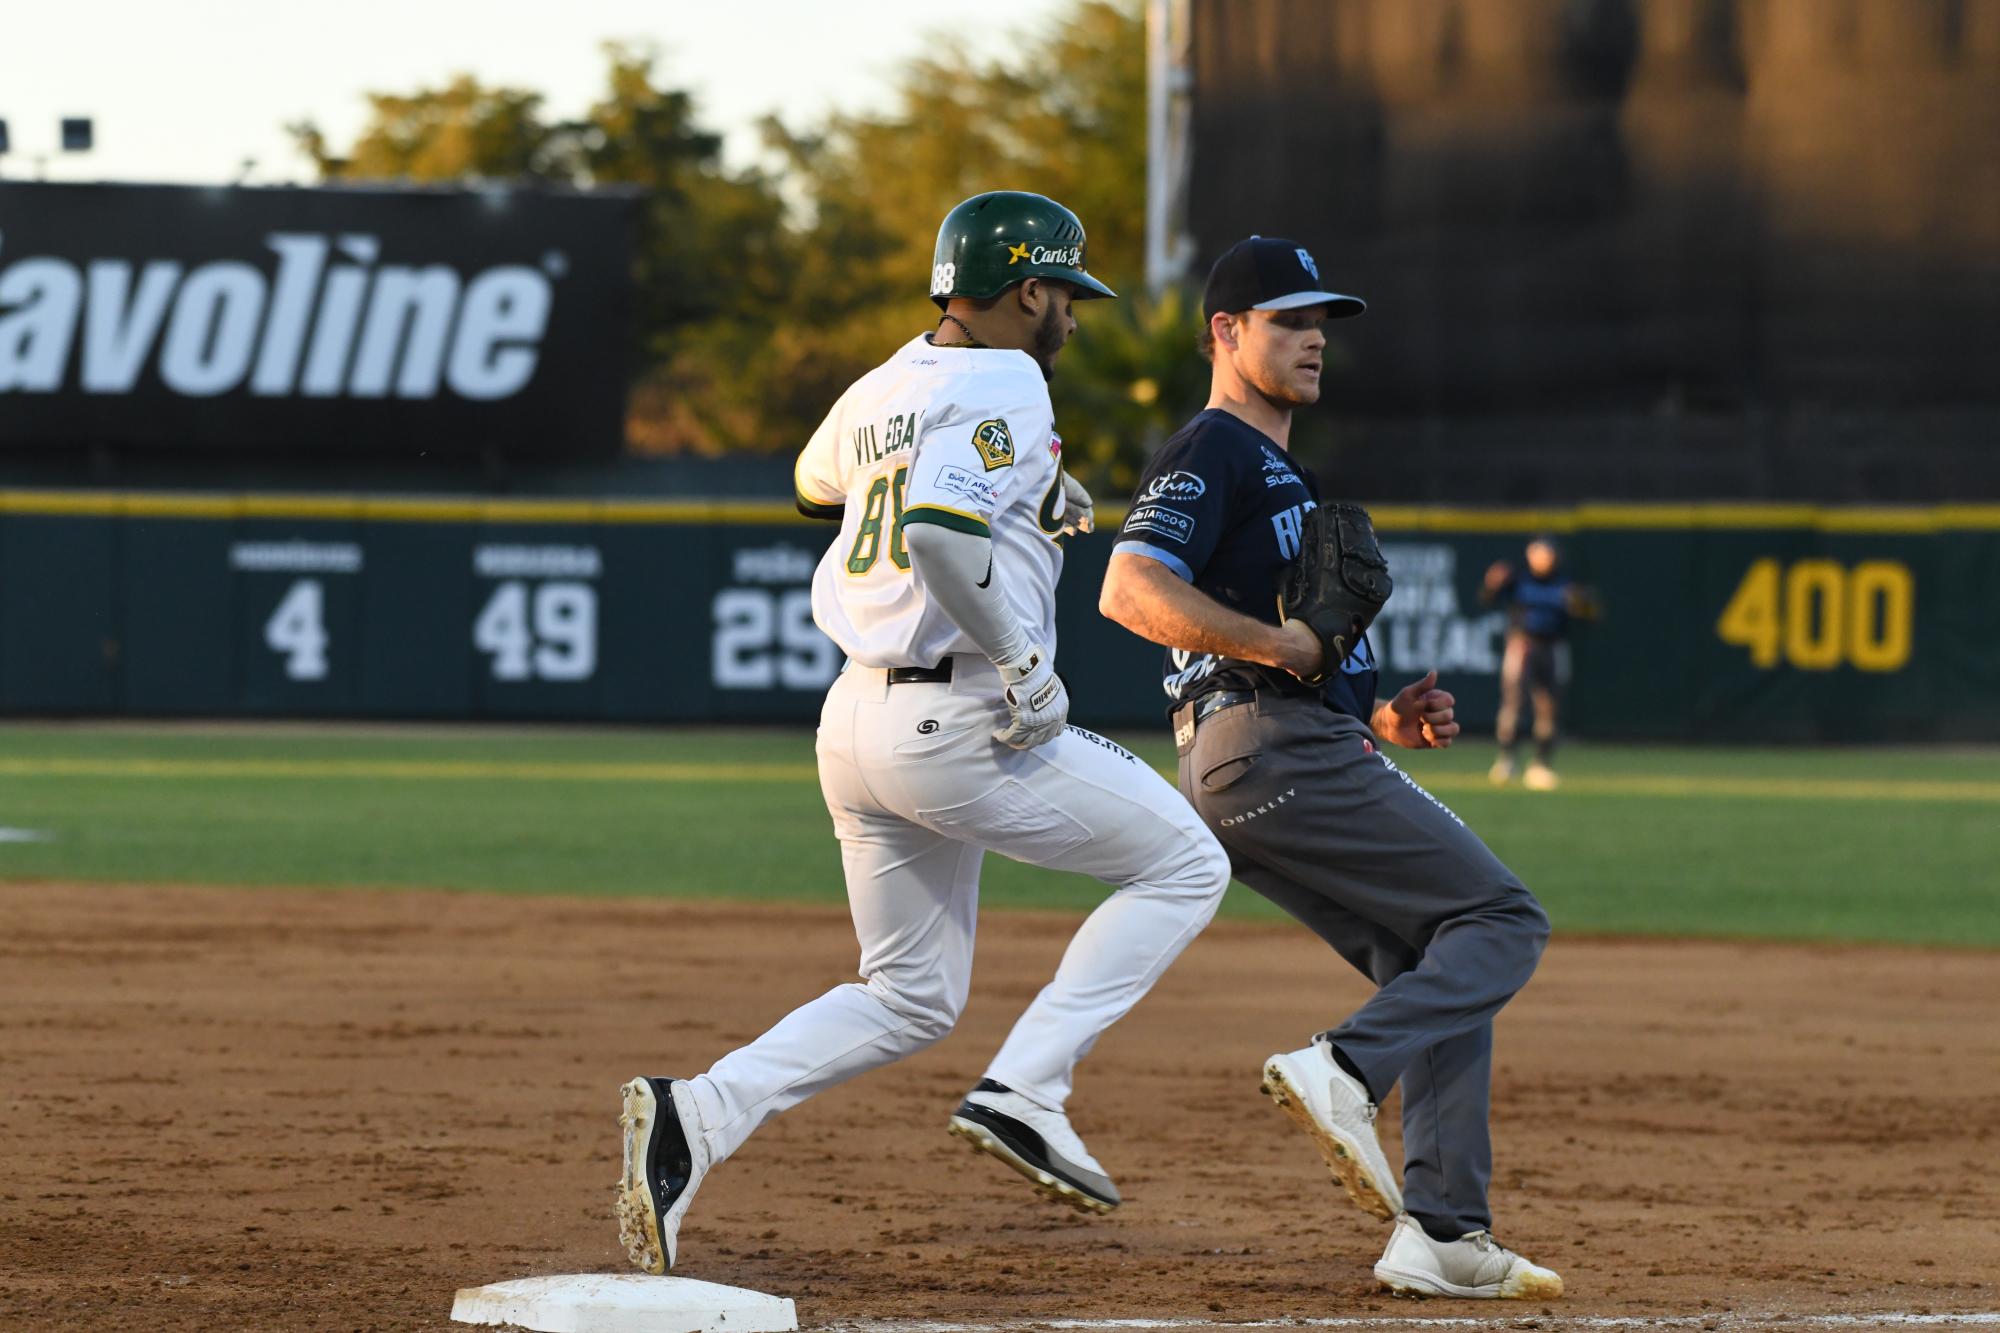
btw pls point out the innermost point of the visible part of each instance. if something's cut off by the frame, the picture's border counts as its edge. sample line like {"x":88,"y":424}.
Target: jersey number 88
{"x":885,"y":499}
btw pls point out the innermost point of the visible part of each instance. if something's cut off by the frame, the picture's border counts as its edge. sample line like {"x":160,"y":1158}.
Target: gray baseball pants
{"x":1317,"y":819}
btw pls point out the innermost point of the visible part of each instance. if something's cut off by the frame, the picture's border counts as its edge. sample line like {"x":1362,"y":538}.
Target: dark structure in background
{"x":225,"y":327}
{"x":1641,"y":249}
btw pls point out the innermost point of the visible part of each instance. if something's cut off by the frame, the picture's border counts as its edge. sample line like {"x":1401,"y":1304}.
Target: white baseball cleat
{"x":1474,"y":1267}
{"x":1540,"y":777}
{"x":1333,"y":1108}
{"x":1502,"y":771}
{"x":1038,"y":1143}
{"x":665,"y":1160}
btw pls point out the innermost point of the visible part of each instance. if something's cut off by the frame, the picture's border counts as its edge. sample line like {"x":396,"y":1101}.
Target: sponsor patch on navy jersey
{"x":1160,"y":520}
{"x":995,"y":443}
{"x":1174,"y":486}
{"x":954,"y":480}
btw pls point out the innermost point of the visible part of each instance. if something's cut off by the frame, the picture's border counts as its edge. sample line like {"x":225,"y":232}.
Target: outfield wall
{"x":1721,"y":621}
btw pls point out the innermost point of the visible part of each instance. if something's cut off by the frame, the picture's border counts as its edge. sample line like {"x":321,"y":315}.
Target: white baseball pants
{"x":919,"y":791}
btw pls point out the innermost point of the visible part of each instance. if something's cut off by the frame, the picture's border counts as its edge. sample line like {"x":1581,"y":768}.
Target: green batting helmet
{"x":994,"y":240}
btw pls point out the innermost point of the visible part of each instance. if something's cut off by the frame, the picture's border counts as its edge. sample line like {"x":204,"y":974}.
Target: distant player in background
{"x":945,"y":738}
{"x":1542,"y":602}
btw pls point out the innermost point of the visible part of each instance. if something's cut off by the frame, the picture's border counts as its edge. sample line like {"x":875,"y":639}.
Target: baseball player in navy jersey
{"x":1295,"y":781}
{"x":945,"y":738}
{"x":1542,"y":602}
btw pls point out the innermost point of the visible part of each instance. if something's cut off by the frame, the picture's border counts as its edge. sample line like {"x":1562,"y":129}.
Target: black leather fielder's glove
{"x":1337,"y":583}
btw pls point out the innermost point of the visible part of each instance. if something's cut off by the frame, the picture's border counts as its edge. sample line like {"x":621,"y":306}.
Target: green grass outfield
{"x":1852,"y":844}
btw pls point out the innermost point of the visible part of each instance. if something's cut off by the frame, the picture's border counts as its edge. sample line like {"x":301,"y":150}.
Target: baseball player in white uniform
{"x":945,"y":738}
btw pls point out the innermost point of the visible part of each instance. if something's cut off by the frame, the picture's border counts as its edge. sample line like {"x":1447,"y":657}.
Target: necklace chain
{"x":970,"y":340}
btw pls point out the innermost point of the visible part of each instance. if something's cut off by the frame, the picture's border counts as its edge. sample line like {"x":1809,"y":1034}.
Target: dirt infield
{"x":231,"y":1109}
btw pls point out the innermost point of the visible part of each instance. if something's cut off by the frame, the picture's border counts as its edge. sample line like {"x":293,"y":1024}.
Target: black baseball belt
{"x":937,"y":675}
{"x":1188,"y":716}
{"x":1216,"y":700}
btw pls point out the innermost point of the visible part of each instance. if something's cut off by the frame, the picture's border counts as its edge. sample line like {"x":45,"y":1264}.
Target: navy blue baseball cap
{"x":1267,"y":273}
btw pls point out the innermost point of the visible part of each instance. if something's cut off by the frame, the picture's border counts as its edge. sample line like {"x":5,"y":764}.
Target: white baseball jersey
{"x":959,"y":436}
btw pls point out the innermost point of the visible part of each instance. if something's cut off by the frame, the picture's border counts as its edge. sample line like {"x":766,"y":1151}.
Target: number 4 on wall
{"x":1817,"y":615}
{"x":297,"y":629}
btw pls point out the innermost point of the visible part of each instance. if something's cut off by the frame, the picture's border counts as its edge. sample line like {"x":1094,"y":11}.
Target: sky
{"x":190,"y":91}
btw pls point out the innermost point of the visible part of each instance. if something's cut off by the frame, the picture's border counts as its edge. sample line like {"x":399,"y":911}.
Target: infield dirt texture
{"x":227,"y":1108}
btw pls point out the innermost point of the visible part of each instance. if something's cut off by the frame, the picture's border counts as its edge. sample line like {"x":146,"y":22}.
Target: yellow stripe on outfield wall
{"x":1390,"y":518}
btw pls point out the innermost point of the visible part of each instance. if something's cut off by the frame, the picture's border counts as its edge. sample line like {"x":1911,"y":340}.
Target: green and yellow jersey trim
{"x":942,"y":516}
{"x":826,"y":510}
{"x":833,"y":513}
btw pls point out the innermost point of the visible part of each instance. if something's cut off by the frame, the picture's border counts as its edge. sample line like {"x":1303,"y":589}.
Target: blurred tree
{"x":1065,"y":116}
{"x":713,"y":253}
{"x":753,"y":318}
{"x":712,"y":270}
{"x":1128,"y":380}
{"x":463,"y":131}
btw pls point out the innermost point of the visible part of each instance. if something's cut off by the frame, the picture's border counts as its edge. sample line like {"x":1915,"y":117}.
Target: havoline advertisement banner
{"x":288,"y":319}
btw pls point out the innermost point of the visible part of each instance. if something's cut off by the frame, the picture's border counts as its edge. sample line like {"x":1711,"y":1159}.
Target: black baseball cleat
{"x":1036,"y":1142}
{"x":665,"y":1159}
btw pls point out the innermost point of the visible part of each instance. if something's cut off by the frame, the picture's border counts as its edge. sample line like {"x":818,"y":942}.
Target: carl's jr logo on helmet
{"x":318,"y":317}
{"x":994,"y":443}
{"x":1070,"y":256}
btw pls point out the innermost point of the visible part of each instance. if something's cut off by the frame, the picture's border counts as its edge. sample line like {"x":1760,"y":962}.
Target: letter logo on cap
{"x":1307,"y":260}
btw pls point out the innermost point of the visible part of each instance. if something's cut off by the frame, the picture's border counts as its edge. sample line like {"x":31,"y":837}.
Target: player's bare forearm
{"x":1147,"y":598}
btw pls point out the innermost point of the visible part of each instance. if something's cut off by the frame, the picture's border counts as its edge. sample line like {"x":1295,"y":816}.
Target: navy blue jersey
{"x":1220,"y":505}
{"x":1541,"y":606}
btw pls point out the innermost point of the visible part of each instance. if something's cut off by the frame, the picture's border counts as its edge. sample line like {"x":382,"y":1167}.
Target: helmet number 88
{"x":942,"y":278}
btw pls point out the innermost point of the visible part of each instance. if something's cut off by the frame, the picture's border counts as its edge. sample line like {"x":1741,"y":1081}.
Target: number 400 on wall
{"x":1817,"y":615}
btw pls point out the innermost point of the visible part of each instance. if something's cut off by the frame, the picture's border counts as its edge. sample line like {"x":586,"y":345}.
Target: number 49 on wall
{"x":1817,"y":615}
{"x":546,"y":631}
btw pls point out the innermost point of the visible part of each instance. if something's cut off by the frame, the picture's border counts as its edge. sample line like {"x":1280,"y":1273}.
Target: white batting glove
{"x":1037,"y":699}
{"x":1079,"y":511}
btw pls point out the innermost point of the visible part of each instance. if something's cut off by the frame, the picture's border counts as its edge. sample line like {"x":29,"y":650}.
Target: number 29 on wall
{"x":1816,"y":615}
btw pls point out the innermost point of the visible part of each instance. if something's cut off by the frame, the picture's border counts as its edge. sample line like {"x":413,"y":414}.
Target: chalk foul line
{"x":1525,"y":1319}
